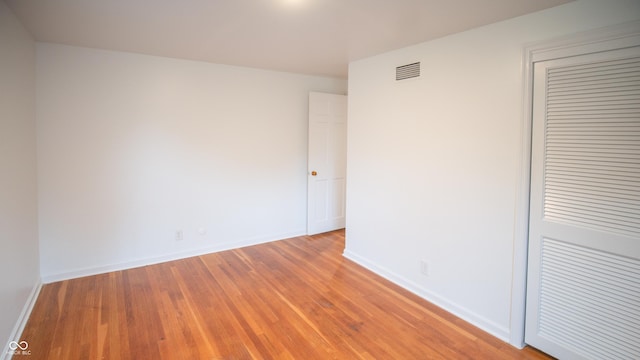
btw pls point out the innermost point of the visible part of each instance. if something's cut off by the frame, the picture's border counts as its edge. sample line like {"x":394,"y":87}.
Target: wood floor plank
{"x":292,"y":299}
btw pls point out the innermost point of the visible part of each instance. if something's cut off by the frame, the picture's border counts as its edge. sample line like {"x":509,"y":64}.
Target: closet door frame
{"x":598,"y":40}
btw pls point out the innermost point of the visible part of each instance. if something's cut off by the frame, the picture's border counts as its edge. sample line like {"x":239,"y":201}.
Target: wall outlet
{"x":202,"y":231}
{"x":424,"y":267}
{"x":179,"y":235}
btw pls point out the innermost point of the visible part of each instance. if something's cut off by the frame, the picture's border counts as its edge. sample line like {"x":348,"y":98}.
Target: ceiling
{"x":317,"y":37}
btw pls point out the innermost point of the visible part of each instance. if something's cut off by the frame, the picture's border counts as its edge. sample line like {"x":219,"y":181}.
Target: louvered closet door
{"x":583,"y":288}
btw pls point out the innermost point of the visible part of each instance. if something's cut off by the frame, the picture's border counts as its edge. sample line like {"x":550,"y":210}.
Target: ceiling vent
{"x":408,"y":71}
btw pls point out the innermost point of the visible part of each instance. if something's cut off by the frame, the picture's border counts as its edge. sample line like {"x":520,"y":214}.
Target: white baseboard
{"x":22,"y":320}
{"x":492,"y":328}
{"x":77,"y":273}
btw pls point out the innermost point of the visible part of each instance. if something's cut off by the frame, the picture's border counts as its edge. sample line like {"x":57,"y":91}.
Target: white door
{"x":327,"y":166}
{"x":583,"y":285}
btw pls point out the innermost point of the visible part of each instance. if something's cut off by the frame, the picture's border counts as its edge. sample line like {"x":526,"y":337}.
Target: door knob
{"x":314,"y":173}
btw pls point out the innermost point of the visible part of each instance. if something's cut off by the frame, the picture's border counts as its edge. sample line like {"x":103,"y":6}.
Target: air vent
{"x":408,"y":71}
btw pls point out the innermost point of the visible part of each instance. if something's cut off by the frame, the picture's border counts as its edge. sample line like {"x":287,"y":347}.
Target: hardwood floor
{"x":290,"y":299}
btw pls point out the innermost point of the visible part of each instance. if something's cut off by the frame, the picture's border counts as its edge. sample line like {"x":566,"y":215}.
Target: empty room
{"x":320,"y":179}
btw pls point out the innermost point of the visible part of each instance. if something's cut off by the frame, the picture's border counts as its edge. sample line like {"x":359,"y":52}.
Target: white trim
{"x":593,"y":41}
{"x":18,"y":328}
{"x":465,"y":314}
{"x":521,"y":226}
{"x":73,"y":274}
{"x":598,"y":40}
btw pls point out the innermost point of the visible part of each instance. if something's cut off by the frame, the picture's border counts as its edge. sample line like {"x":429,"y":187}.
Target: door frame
{"x":597,"y":40}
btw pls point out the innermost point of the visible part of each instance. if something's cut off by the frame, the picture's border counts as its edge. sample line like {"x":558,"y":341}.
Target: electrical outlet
{"x":424,"y":267}
{"x":179,"y":235}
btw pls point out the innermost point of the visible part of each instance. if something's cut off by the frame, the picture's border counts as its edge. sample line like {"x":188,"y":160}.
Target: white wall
{"x":18,"y":199}
{"x":132,"y":148}
{"x":434,"y":164}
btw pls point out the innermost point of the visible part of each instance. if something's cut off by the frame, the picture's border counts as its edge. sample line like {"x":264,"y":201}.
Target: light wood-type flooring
{"x":291,"y":299}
